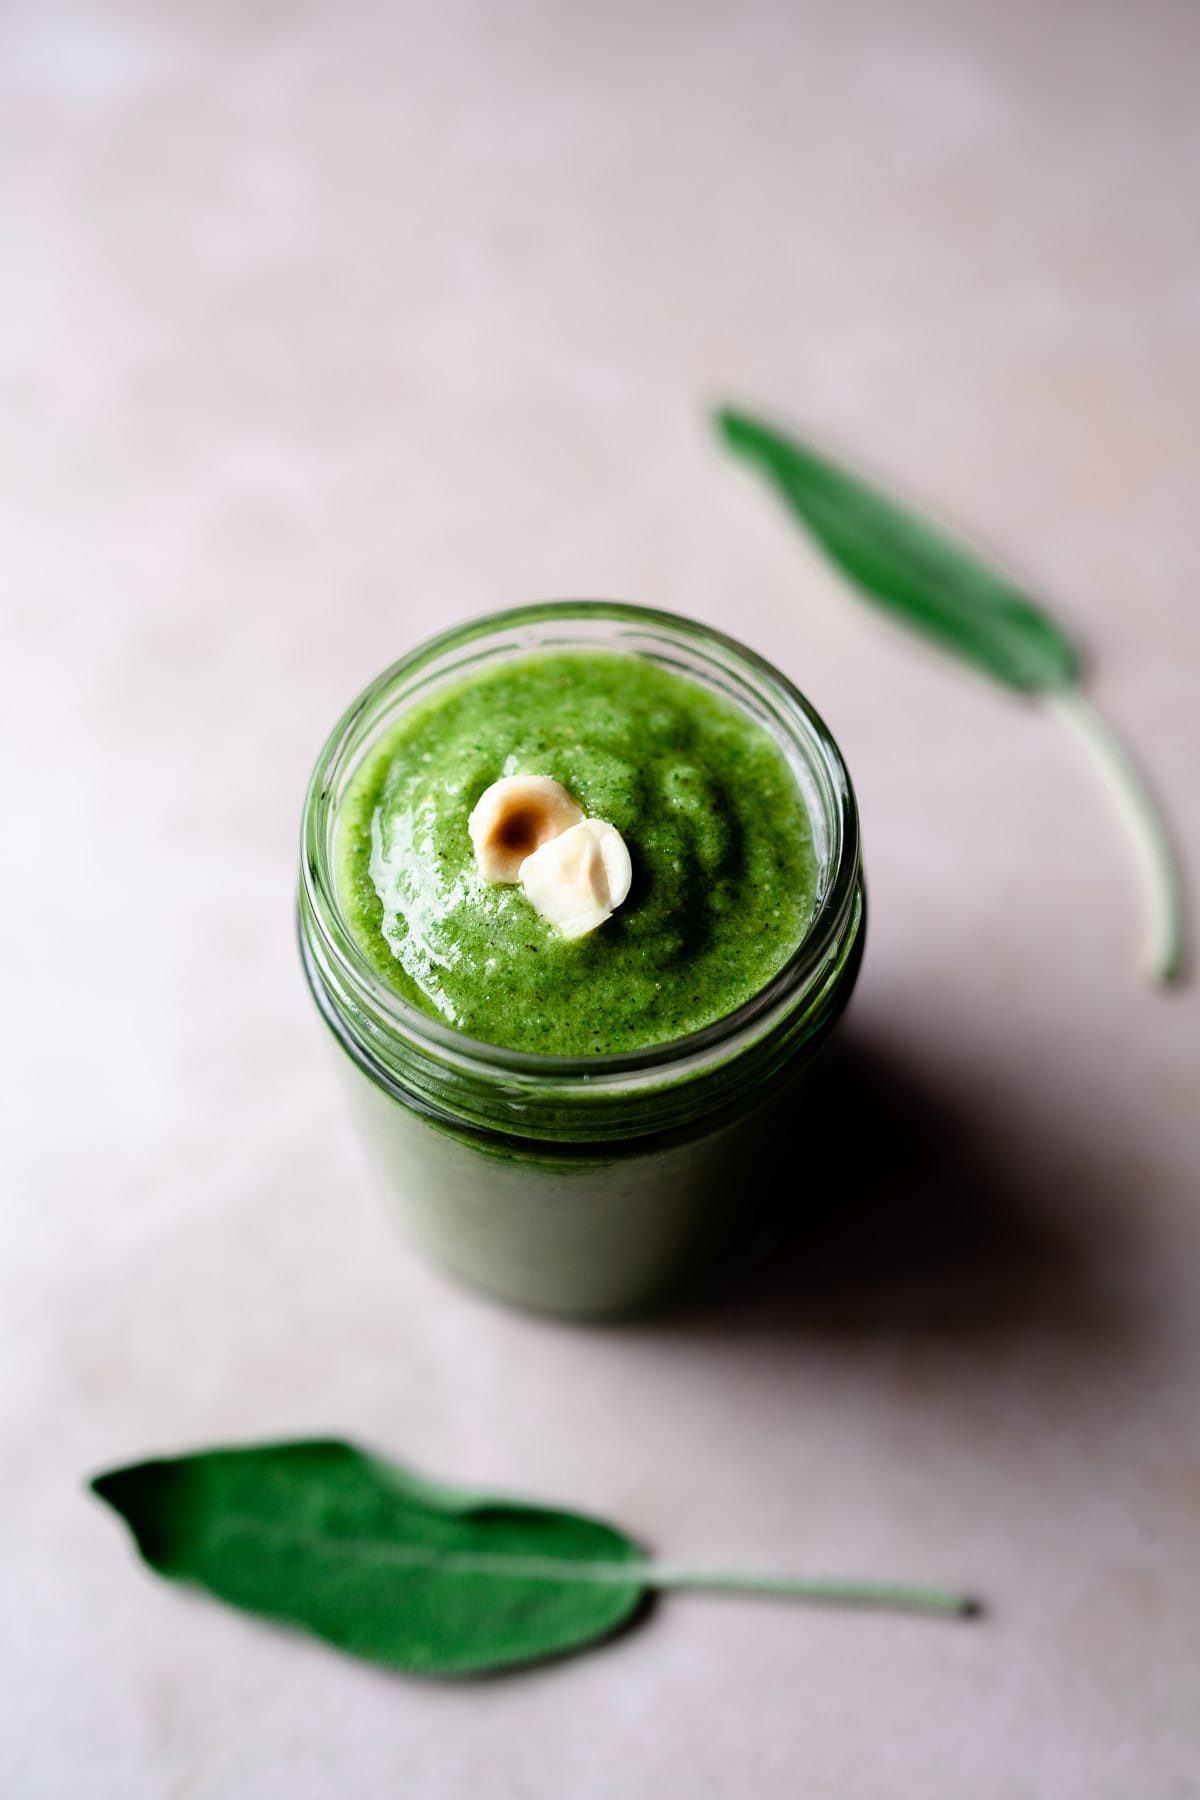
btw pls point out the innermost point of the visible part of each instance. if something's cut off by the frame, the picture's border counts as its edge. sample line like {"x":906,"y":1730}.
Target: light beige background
{"x":324,"y":326}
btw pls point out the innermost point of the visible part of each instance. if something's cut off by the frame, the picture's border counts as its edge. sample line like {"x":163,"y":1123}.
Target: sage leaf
{"x":938,"y":586}
{"x":910,"y":566}
{"x":355,"y":1550}
{"x":428,"y":1579}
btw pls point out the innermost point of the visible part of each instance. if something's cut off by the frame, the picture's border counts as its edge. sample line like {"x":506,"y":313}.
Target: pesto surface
{"x":724,"y":870}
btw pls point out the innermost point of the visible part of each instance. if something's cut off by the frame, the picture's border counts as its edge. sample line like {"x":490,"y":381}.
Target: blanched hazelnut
{"x":513,"y":818}
{"x":576,"y":880}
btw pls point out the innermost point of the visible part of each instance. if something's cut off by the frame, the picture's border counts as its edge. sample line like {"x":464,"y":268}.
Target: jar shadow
{"x":919,"y":1203}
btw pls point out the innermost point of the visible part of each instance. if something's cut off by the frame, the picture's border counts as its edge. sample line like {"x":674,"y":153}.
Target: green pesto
{"x":724,"y":869}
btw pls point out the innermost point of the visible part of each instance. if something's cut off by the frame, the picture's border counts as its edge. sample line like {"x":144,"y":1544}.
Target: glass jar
{"x":594,"y":1185}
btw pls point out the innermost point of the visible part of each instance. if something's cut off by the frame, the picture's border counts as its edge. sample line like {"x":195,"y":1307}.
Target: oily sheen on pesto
{"x":724,"y":869}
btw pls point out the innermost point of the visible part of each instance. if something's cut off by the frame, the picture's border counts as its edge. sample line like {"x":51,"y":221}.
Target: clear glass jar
{"x":595,"y":1185}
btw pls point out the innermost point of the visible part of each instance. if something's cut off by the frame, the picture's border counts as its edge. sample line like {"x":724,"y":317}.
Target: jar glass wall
{"x":584,"y":1185}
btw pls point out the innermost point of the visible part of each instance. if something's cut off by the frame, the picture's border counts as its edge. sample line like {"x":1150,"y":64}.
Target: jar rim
{"x":391,"y":1011}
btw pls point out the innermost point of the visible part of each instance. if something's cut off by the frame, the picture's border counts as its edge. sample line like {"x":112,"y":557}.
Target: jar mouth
{"x":694,"y":650}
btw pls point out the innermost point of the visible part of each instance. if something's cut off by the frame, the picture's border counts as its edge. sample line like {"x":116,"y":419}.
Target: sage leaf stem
{"x":1166,"y":952}
{"x":882,"y":1596}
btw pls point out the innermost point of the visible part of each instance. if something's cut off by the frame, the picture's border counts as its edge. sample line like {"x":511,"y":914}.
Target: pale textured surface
{"x":323,"y":326}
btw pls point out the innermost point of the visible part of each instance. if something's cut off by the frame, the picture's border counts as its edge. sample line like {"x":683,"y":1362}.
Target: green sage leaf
{"x":947,"y":592}
{"x":909,"y":566}
{"x":429,"y":1579}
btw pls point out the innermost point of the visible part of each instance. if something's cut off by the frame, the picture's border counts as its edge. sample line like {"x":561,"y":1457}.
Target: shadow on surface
{"x":937,"y":1208}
